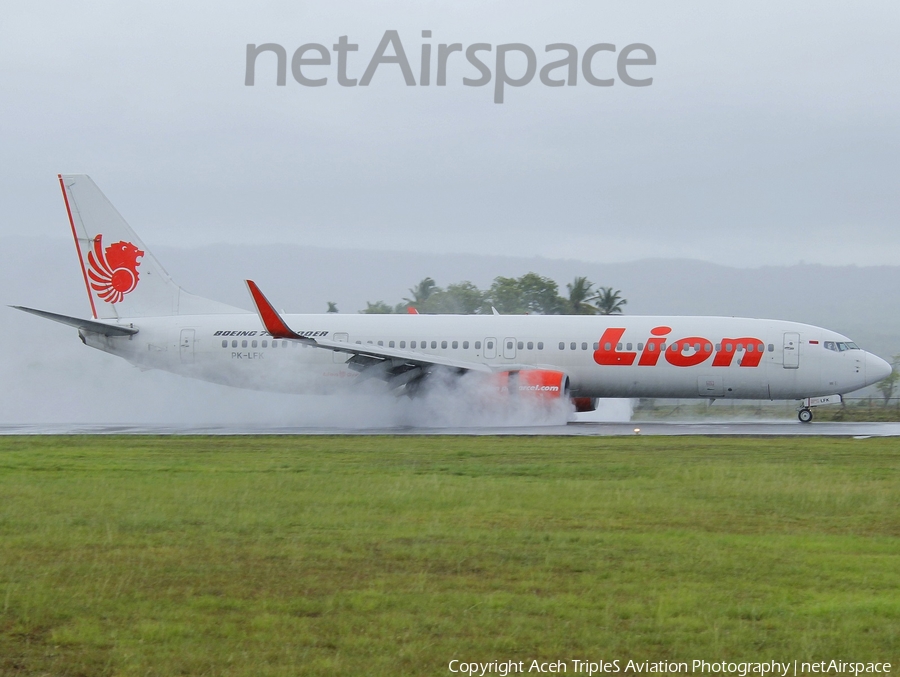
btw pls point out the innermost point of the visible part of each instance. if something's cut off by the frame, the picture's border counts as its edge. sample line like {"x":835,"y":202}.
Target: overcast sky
{"x":769,"y":134}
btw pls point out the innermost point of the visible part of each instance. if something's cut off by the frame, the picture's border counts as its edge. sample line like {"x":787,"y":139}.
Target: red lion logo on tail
{"x":113,"y":273}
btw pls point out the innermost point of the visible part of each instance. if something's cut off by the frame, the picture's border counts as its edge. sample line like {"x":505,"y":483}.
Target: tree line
{"x":529,"y":294}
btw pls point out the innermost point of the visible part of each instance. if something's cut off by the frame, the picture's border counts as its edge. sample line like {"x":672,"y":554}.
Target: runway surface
{"x":756,"y":428}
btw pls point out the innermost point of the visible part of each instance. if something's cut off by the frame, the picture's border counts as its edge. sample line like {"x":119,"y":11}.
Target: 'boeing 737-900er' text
{"x":139,"y":313}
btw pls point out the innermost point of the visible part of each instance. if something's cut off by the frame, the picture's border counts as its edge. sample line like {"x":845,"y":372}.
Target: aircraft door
{"x":509,"y":348}
{"x":490,"y":348}
{"x":186,"y":346}
{"x":791,"y":350}
{"x":339,"y":357}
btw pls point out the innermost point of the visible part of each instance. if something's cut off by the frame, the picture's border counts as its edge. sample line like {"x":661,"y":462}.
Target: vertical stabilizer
{"x":122,"y":277}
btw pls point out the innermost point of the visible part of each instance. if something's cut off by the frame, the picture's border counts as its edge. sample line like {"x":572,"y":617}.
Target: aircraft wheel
{"x":805,"y":415}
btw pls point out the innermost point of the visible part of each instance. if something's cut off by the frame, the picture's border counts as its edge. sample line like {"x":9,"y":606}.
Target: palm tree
{"x":579,"y":293}
{"x":332,"y":307}
{"x":421,"y":292}
{"x":609,"y":302}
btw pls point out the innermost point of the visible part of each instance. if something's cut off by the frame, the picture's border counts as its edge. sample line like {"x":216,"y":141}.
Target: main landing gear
{"x":805,"y":415}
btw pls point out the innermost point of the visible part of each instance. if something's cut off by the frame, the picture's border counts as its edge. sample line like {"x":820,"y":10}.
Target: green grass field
{"x":393,"y":555}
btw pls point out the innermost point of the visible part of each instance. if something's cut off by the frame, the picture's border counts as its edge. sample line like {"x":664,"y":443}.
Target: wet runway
{"x":756,"y":428}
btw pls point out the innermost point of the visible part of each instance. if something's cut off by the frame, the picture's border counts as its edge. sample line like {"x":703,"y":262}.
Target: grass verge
{"x":392,"y":556}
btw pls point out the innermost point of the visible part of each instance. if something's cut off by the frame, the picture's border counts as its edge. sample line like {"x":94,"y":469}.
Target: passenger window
{"x":607,"y":346}
{"x":443,"y":345}
{"x":760,"y":347}
{"x":234,"y":343}
{"x":562,"y":346}
{"x":412,"y":344}
{"x":618,"y":346}
{"x":434,"y":345}
{"x":718,"y":347}
{"x":490,"y":345}
{"x":771,"y":347}
{"x":225,"y":343}
{"x":707,"y":348}
{"x":243,"y":344}
{"x":390,"y":344}
{"x":749,"y":347}
{"x":540,"y":345}
{"x":729,"y":347}
{"x":520,"y":345}
{"x":509,"y":345}
{"x":584,"y":345}
{"x":640,"y":346}
{"x":740,"y":347}
{"x":381,"y":343}
{"x":652,"y":347}
{"x":265,"y":344}
{"x":477,"y":345}
{"x":573,"y":345}
{"x":627,"y":346}
{"x":454,"y":345}
{"x":465,"y":345}
{"x":284,"y":344}
{"x":253,"y":344}
{"x":530,"y":345}
{"x":596,"y":345}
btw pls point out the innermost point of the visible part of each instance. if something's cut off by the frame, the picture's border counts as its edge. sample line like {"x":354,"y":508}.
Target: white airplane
{"x":140,"y":314}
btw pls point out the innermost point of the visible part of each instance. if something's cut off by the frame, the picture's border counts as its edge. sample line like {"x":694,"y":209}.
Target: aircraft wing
{"x":398,"y":367}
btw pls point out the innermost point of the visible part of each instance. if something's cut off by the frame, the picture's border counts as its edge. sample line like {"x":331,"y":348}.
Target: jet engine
{"x":583,"y":404}
{"x":540,"y":384}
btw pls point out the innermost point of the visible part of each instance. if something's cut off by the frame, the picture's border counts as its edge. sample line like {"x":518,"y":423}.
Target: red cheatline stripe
{"x":77,"y":246}
{"x":269,"y":316}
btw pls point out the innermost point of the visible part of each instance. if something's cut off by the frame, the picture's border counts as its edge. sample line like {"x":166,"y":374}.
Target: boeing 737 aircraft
{"x":140,"y":314}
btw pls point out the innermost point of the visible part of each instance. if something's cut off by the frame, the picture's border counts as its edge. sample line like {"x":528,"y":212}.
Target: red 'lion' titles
{"x":687,"y":352}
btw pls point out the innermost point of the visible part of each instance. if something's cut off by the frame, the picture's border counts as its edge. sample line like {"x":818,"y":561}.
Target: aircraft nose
{"x":876,"y":369}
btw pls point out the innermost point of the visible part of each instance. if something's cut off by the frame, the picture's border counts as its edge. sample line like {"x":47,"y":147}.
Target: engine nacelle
{"x":542,"y":384}
{"x":583,"y":404}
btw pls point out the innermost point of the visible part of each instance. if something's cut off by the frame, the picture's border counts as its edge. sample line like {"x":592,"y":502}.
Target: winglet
{"x":411,"y":311}
{"x":270,"y":318}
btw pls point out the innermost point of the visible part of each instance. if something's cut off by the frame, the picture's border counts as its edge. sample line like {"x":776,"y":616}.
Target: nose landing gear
{"x":806,"y":404}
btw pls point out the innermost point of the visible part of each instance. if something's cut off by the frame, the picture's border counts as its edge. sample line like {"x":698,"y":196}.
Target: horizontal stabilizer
{"x":86,"y":325}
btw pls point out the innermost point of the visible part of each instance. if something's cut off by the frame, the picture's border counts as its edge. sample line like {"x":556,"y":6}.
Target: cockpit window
{"x":840,"y":346}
